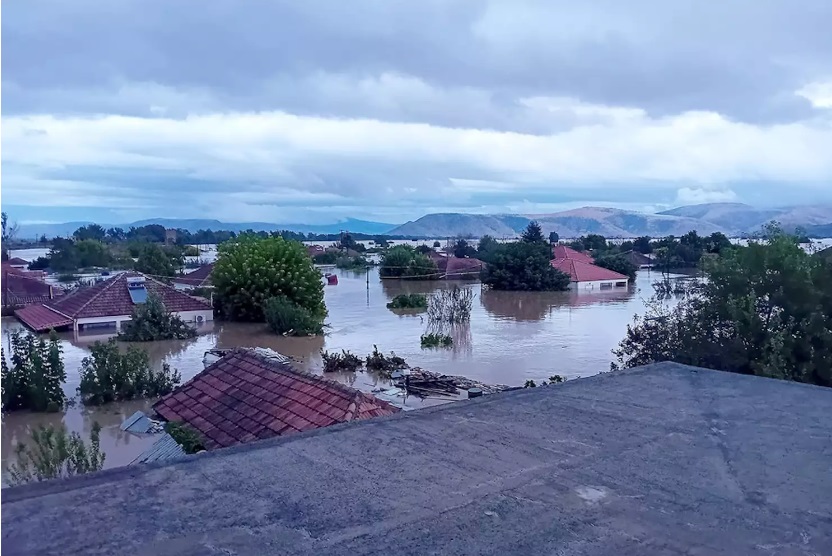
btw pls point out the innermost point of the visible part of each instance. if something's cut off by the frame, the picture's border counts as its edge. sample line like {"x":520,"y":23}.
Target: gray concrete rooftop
{"x":659,"y":460}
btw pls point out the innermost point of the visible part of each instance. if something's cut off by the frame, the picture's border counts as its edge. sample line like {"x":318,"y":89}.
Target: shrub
{"x":250,"y":270}
{"x":108,"y":376}
{"x":191,"y":251}
{"x":523,"y":266}
{"x":344,"y":361}
{"x":378,"y":362}
{"x":436,"y":244}
{"x":352,"y":263}
{"x":436,"y":340}
{"x":41,"y":263}
{"x":326,"y":258}
{"x":556,"y":379}
{"x":286,"y":317}
{"x":202,"y":291}
{"x":408,"y":301}
{"x":450,"y":306}
{"x":186,"y":436}
{"x":36,"y":377}
{"x":403,"y":261}
{"x":530,"y":384}
{"x":53,"y":454}
{"x":151,"y":321}
{"x":153,"y":260}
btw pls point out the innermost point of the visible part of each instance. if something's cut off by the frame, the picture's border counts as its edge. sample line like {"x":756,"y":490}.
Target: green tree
{"x":642,"y":245}
{"x":249,"y":271}
{"x":403,"y":261}
{"x":91,"y":253}
{"x":152,"y":321}
{"x":617,"y":263}
{"x":462,"y":249}
{"x":37,"y":374}
{"x":154,"y":261}
{"x":91,"y":232}
{"x":533,"y":233}
{"x":286,"y":317}
{"x":594,"y":242}
{"x":486,"y":245}
{"x":764,"y":309}
{"x":553,"y":237}
{"x":53,"y":454}
{"x":107,"y":375}
{"x":436,"y":245}
{"x":523,"y":266}
{"x":64,"y":256}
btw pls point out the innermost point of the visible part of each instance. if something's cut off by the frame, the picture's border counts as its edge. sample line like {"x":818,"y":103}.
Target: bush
{"x":326,"y":258}
{"x":450,"y":306}
{"x":436,"y":340}
{"x":523,"y":266}
{"x":617,"y":263}
{"x":408,"y":301}
{"x":403,"y":261}
{"x":250,"y":270}
{"x":191,"y":251}
{"x":380,"y":363}
{"x":151,"y":321}
{"x":35,"y":380}
{"x":436,"y":244}
{"x":186,"y":436}
{"x":41,"y":263}
{"x":109,"y":376}
{"x":344,"y":361}
{"x":352,"y":263}
{"x":55,"y":454}
{"x":153,"y":260}
{"x":286,"y":317}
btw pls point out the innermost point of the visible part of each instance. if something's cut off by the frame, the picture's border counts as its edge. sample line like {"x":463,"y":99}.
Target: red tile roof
{"x":17,"y":261}
{"x":459,"y":268}
{"x":198,"y":278}
{"x":20,"y":289}
{"x":111,"y":298}
{"x":564,"y":252}
{"x":580,"y":271}
{"x":41,"y":318}
{"x":248,"y":395}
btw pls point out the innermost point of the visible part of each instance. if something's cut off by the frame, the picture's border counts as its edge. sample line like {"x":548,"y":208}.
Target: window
{"x":606,"y":285}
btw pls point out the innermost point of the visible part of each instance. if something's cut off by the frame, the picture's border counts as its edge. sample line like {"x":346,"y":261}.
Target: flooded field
{"x":512,"y":337}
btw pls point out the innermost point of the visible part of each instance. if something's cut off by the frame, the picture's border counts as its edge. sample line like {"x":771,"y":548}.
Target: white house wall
{"x":596,"y":285}
{"x":117,"y":320}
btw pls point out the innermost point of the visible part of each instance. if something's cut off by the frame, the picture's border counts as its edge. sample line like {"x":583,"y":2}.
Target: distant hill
{"x":738,"y":218}
{"x":192,"y":225}
{"x":610,"y":222}
{"x":457,"y":224}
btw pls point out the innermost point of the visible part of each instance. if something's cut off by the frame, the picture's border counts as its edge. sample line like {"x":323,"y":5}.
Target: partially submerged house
{"x":199,"y":278}
{"x":21,"y":288}
{"x":639,"y":260}
{"x":254,"y":394}
{"x":110,"y":303}
{"x":459,"y":268}
{"x":583,"y":273}
{"x":17,"y":262}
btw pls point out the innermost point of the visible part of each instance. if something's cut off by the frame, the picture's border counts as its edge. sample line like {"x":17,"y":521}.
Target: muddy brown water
{"x":512,"y":337}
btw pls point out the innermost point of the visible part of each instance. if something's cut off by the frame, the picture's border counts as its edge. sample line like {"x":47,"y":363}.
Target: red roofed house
{"x":110,"y":303}
{"x":254,"y":394}
{"x":583,"y":273}
{"x":20,"y":288}
{"x":17,"y":262}
{"x":199,"y":278}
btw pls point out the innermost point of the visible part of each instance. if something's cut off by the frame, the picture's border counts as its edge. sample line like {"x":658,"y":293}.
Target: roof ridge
{"x":106,"y":287}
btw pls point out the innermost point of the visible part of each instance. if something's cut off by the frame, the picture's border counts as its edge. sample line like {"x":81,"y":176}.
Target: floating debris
{"x":420,"y":382}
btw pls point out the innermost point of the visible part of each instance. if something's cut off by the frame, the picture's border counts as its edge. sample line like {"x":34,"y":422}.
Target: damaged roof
{"x":251,"y":395}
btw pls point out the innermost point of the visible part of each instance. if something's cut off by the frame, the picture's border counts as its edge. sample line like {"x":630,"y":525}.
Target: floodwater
{"x":512,"y":337}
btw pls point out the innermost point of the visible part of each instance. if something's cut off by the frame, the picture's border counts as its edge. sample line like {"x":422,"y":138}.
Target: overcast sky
{"x":311,"y":111}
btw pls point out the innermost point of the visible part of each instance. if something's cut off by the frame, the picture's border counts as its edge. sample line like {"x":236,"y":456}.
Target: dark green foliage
{"x":436,"y":244}
{"x":41,"y":263}
{"x":553,"y":237}
{"x":765,"y":310}
{"x":108,"y":375}
{"x":617,"y":263}
{"x":403,"y":261}
{"x":328,"y":257}
{"x":432,"y":340}
{"x":423,"y":249}
{"x":556,"y":379}
{"x":348,"y":242}
{"x":186,"y":436}
{"x":382,"y":364}
{"x":352,"y":263}
{"x":344,"y":361}
{"x":523,"y":266}
{"x":249,"y":271}
{"x":286,"y":317}
{"x":202,"y":291}
{"x":191,"y":251}
{"x":53,"y":454}
{"x":594,"y":242}
{"x":153,"y":260}
{"x":90,"y":232}
{"x":408,"y":301}
{"x":486,"y":245}
{"x":533,"y":233}
{"x":463,"y":249}
{"x":36,"y":376}
{"x":151,"y":321}
{"x":643,"y":245}
{"x":530,"y":384}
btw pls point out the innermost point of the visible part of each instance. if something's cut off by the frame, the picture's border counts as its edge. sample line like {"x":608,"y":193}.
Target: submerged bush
{"x":36,"y":377}
{"x":108,"y":375}
{"x":378,"y":362}
{"x":450,"y":306}
{"x":436,"y":340}
{"x":186,"y":436}
{"x":408,"y":301}
{"x":152,"y":321}
{"x":352,"y":263}
{"x":286,"y":317}
{"x":344,"y":361}
{"x":52,"y":454}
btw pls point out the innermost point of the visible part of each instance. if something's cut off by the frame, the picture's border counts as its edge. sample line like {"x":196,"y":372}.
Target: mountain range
{"x":732,"y":219}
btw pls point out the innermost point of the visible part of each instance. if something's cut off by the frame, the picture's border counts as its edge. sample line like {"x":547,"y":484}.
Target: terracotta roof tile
{"x":564,"y":252}
{"x":41,"y":319}
{"x":198,"y":278}
{"x":264,"y":398}
{"x":580,"y":271}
